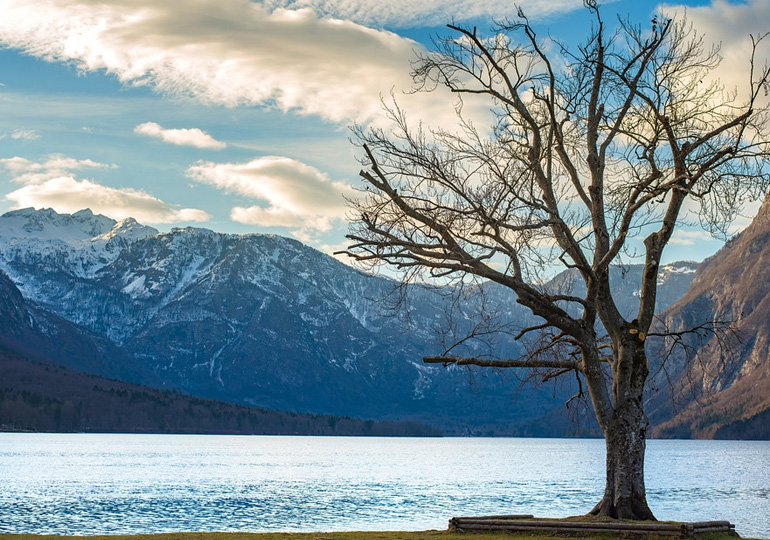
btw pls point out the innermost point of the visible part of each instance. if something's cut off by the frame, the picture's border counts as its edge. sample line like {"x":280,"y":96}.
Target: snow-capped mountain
{"x":79,"y":244}
{"x":673,"y":280}
{"x":257,"y":319}
{"x":265,"y":320}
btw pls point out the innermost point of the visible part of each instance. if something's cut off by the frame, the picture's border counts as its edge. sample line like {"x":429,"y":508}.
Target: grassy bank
{"x":387,"y":535}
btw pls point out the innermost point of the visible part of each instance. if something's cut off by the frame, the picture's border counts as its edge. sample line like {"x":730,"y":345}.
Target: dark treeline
{"x":47,"y":398}
{"x":756,"y":427}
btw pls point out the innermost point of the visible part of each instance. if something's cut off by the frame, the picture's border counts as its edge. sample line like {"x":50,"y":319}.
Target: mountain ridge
{"x":267,"y":321}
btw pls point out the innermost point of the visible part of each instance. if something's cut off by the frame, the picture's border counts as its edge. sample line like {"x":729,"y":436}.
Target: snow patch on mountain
{"x":128,"y":230}
{"x":678,"y":269}
{"x":136,"y":288}
{"x":47,"y":224}
{"x":81,"y":243}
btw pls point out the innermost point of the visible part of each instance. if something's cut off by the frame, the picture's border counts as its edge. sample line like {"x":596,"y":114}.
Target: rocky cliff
{"x":726,"y":383}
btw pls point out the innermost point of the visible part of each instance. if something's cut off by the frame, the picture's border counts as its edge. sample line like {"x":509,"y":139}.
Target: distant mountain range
{"x":265,"y":321}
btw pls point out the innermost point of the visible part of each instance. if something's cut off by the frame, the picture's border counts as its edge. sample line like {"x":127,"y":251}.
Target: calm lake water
{"x":88,"y":484}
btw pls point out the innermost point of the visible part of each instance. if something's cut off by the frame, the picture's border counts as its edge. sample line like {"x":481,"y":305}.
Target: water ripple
{"x":116,"y":484}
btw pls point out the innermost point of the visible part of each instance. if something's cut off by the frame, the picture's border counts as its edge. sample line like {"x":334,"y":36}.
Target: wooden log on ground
{"x":570,"y":524}
{"x":697,"y":524}
{"x":564,"y":530}
{"x":526,"y":523}
{"x":503,"y":516}
{"x":715,"y":527}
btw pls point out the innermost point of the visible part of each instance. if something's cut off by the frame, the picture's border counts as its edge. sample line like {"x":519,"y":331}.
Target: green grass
{"x":380,"y":535}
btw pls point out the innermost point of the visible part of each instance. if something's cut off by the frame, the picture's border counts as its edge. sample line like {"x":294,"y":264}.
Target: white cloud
{"x":24,"y":171}
{"x":411,"y":14}
{"x":335,"y":250}
{"x":729,"y":24}
{"x":746,"y":216}
{"x":235,"y":53}
{"x":294,"y":194}
{"x":683,"y":237}
{"x":50,"y":184}
{"x":182,"y":137}
{"x":229,"y":52}
{"x":66,"y":194}
{"x":22,"y":134}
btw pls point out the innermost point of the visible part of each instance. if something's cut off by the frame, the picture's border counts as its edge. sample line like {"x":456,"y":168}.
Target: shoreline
{"x":346,"y":535}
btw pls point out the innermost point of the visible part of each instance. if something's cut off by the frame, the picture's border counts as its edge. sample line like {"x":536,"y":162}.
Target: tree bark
{"x":625,"y":440}
{"x":624,"y":493}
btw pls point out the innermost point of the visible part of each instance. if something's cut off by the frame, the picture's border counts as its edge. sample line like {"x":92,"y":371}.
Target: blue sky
{"x":233,"y":115}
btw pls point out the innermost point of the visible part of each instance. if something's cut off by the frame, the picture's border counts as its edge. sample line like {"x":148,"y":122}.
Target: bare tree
{"x":592,"y":149}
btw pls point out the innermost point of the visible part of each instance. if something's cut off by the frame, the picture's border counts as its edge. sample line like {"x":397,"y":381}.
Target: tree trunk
{"x":624,"y":493}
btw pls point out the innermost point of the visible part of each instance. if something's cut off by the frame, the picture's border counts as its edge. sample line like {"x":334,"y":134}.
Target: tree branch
{"x":528,"y":363}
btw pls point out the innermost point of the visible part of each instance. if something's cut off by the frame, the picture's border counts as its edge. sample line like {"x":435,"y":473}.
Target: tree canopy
{"x":595,"y":155}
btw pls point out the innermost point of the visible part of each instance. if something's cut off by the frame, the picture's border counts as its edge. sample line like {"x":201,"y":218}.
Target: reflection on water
{"x":88,"y":484}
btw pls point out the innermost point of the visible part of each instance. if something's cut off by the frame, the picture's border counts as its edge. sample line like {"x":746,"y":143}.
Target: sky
{"x":234,"y":115}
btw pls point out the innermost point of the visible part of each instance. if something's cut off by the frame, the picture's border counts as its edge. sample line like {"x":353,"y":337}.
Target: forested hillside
{"x":44,"y":397}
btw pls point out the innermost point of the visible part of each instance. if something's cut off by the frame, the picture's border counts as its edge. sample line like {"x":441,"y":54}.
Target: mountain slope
{"x":264,"y":320}
{"x":38,"y":334}
{"x":42,"y":397}
{"x":730,"y":385}
{"x":254,"y":319}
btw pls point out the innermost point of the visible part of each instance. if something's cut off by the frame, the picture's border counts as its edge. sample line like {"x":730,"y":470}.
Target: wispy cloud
{"x":51,"y":184}
{"x":293,"y":194}
{"x":411,"y":14}
{"x":25,"y":171}
{"x":22,"y":134}
{"x":230,"y":53}
{"x":182,"y":137}
{"x":683,"y":237}
{"x":728,"y":25}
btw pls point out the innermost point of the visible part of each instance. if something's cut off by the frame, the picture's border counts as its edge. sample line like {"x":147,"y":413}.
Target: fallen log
{"x":526,"y":523}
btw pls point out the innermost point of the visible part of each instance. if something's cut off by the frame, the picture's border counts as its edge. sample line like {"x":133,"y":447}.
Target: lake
{"x":88,"y":483}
